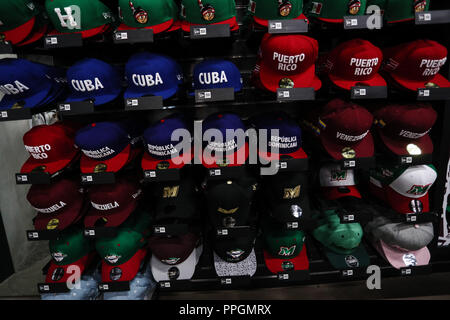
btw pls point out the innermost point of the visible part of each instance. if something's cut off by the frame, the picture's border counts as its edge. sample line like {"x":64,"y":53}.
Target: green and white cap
{"x":17,"y":19}
{"x":205,"y":12}
{"x":334,"y":10}
{"x":265,"y":10}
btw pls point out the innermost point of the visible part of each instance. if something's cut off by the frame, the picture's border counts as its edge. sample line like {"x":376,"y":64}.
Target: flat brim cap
{"x":376,"y":81}
{"x":59,"y":274}
{"x":62,"y":220}
{"x":401,"y":258}
{"x":88,"y":165}
{"x":111,"y":220}
{"x":400,"y":146}
{"x":246,"y":267}
{"x":439,"y":80}
{"x":19,"y":33}
{"x":357,"y":258}
{"x":363,"y":149}
{"x":276,"y":265}
{"x":124,"y":272}
{"x":86,"y":33}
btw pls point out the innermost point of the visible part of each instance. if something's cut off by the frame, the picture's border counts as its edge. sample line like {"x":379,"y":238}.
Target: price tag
{"x":406,"y":160}
{"x":288,"y":26}
{"x":37,"y":235}
{"x":215,"y":172}
{"x":160,"y":230}
{"x":15,"y":114}
{"x":33,"y":178}
{"x":433,"y":94}
{"x":349,"y":217}
{"x":76,"y":107}
{"x":44,"y":288}
{"x":98,"y":178}
{"x":226,"y":281}
{"x":292,"y":225}
{"x":432,"y":17}
{"x":361,"y":92}
{"x":283,"y":276}
{"x":144,"y":103}
{"x":210,"y":31}
{"x":211,"y":95}
{"x":406,"y":271}
{"x":165,"y":284}
{"x":349,"y":163}
{"x":362,"y":22}
{"x":222,"y":232}
{"x":347,"y":273}
{"x":114,"y":286}
{"x":63,"y":41}
{"x":134,"y":36}
{"x":296,"y":94}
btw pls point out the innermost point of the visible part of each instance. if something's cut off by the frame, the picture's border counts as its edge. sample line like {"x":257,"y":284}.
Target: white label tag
{"x":4,"y":114}
{"x":202,"y":31}
{"x":208,"y":95}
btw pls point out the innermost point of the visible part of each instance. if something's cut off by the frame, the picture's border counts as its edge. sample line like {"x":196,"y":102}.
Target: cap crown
{"x":146,"y":13}
{"x":270,"y":9}
{"x":191,"y":10}
{"x":215,"y":73}
{"x":15,"y":13}
{"x":234,"y":249}
{"x":335,"y":9}
{"x":282,"y":244}
{"x":70,"y":246}
{"x":223,"y":122}
{"x":173,"y":250}
{"x":70,"y":16}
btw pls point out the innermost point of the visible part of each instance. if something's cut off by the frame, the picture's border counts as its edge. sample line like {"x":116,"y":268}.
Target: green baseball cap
{"x":265,"y":10}
{"x":158,"y":15}
{"x":284,"y":250}
{"x":122,"y":255}
{"x":88,"y":17}
{"x":205,"y":12}
{"x":341,"y":241}
{"x":70,"y":249}
{"x":334,"y":10}
{"x":17,"y":19}
{"x":400,"y":10}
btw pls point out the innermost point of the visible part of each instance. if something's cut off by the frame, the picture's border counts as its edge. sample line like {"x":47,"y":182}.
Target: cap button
{"x":220,"y":116}
{"x":93,"y":125}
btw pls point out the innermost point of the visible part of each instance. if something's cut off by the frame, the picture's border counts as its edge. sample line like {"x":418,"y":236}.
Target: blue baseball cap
{"x":23,"y":82}
{"x":152,"y":74}
{"x":234,"y":151}
{"x":289,"y":139}
{"x":160,"y":149}
{"x":106,"y":146}
{"x":216,"y":74}
{"x":93,"y":79}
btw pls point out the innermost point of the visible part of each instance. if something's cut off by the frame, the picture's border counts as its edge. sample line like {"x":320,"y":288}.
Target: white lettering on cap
{"x":212,"y":77}
{"x":147,"y":80}
{"x":288,"y":63}
{"x":53,"y":208}
{"x":13,"y":88}
{"x":87,"y":85}
{"x":39,"y":152}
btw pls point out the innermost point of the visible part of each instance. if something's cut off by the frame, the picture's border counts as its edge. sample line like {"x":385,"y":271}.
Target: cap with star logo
{"x":334,"y":11}
{"x":207,"y":12}
{"x":17,"y":19}
{"x":263,"y":10}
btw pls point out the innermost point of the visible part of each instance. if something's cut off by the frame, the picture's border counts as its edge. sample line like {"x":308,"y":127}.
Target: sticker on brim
{"x":57,"y":274}
{"x":431,"y":85}
{"x":53,"y":224}
{"x":173,"y":273}
{"x":416,"y":206}
{"x":413,"y":149}
{"x":286,"y":83}
{"x":354,"y":6}
{"x":208,"y":13}
{"x":287,"y":265}
{"x":296,"y":211}
{"x":115,"y":274}
{"x":409,"y":260}
{"x":18,"y":105}
{"x":163,"y":165}
{"x":101,"y":167}
{"x":235,"y":254}
{"x":352,"y":261}
{"x":348,"y":153}
{"x":420,"y":5}
{"x":285,"y":8}
{"x":39,"y":169}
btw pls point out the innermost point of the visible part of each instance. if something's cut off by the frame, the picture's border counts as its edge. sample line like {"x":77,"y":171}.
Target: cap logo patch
{"x":416,"y":206}
{"x":171,"y":261}
{"x":288,"y":63}
{"x":418,"y":190}
{"x":105,"y":207}
{"x":140,"y":15}
{"x":72,"y":17}
{"x":420,"y":5}
{"x":147,"y":80}
{"x":291,"y":193}
{"x":212,"y":77}
{"x":287,"y":265}
{"x":112,"y":259}
{"x":284,"y":8}
{"x":53,"y":224}
{"x":410,"y":260}
{"x":13,"y":88}
{"x":235,"y":254}
{"x":87,"y":85}
{"x":354,"y":6}
{"x":352,"y":261}
{"x":316,"y":8}
{"x":431,"y":66}
{"x":287,"y":251}
{"x":171,"y":192}
{"x":39,"y":152}
{"x":53,"y":208}
{"x":57,"y":274}
{"x":338,"y":175}
{"x":115,"y":274}
{"x":225,"y":211}
{"x":173,"y":273}
{"x":58,"y":256}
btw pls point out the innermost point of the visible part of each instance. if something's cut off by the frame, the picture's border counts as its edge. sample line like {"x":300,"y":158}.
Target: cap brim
{"x":86,"y":33}
{"x":82,"y":263}
{"x":333,"y":193}
{"x":363,"y":149}
{"x":438,"y":80}
{"x":270,"y":79}
{"x":65,"y":218}
{"x":246,"y":267}
{"x":112,"y":220}
{"x":402,"y":204}
{"x":98,"y":100}
{"x":165,"y":94}
{"x":129,"y":269}
{"x":270,"y":156}
{"x":357,"y":258}
{"x":50,"y":167}
{"x":234,"y":160}
{"x":186,"y":26}
{"x":20,"y":33}
{"x":275,"y":265}
{"x":87,"y":165}
{"x":37,"y":33}
{"x":150,"y":163}
{"x":186,"y":269}
{"x":265,"y":23}
{"x":398,"y":147}
{"x":402,"y":259}
{"x":376,"y":81}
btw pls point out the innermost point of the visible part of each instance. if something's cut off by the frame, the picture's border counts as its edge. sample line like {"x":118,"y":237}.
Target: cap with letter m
{"x":206,"y":12}
{"x":87,"y":17}
{"x":265,"y":10}
{"x":17,"y":19}
{"x":337,"y":183}
{"x":334,"y":11}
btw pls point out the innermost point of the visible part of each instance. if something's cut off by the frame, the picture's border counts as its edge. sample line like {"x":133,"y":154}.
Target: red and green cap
{"x":158,"y":15}
{"x":205,"y":12}
{"x":17,"y":19}
{"x":70,"y":249}
{"x":334,"y":11}
{"x":88,"y":17}
{"x":265,"y":10}
{"x":400,"y":10}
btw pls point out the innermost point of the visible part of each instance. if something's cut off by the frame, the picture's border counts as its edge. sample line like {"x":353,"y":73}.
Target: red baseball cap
{"x":288,"y":61}
{"x":51,"y":147}
{"x":345,"y":130}
{"x":416,"y":64}
{"x":404,"y":128}
{"x":355,"y":62}
{"x":59,"y":204}
{"x":112,"y":202}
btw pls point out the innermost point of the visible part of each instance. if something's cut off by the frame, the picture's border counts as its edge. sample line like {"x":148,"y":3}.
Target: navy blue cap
{"x":160,"y":149}
{"x":216,"y":74}
{"x":289,"y":139}
{"x":103,"y":143}
{"x":93,"y":79}
{"x":23,"y":82}
{"x":152,"y":74}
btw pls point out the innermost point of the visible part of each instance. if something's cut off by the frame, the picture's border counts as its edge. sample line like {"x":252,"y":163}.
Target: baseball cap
{"x":341,"y":241}
{"x":345,"y":130}
{"x":93,"y":79}
{"x":58,"y":205}
{"x":405,"y":189}
{"x":355,"y":63}
{"x":161,"y":151}
{"x":288,"y":141}
{"x":51,"y":148}
{"x":337,"y":183}
{"x":288,"y":61}
{"x":231,"y":150}
{"x":17,"y":19}
{"x":148,"y":14}
{"x":105,"y":146}
{"x":23,"y":83}
{"x":400,"y":10}
{"x":334,"y":11}
{"x":404,"y":128}
{"x":235,"y":256}
{"x":284,"y":250}
{"x":112,"y":203}
{"x":416,"y":64}
{"x":401,"y":244}
{"x":202,"y":12}
{"x":70,"y":249}
{"x":176,"y":257}
{"x":88,"y":17}
{"x":122,"y":255}
{"x":152,"y":74}
{"x":216,"y":74}
{"x":263,"y":10}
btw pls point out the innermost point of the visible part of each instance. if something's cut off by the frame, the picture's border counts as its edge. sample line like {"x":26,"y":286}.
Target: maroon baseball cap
{"x":173,"y":250}
{"x":355,"y":62}
{"x":59,"y":204}
{"x":113,"y":202}
{"x":416,"y":64}
{"x":404,"y":128}
{"x":345,"y":130}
